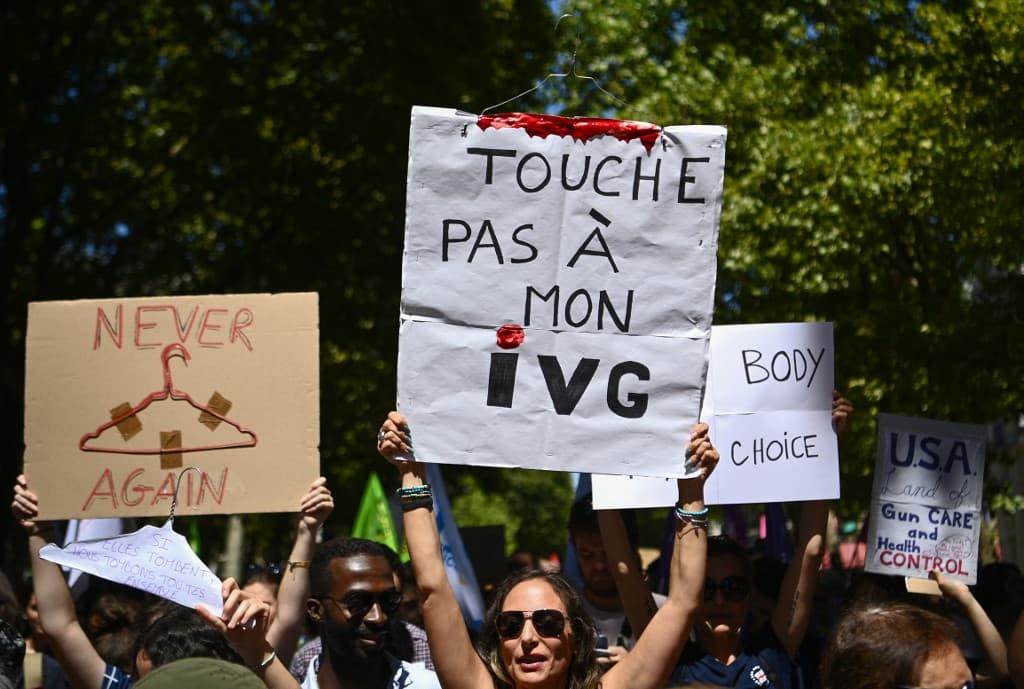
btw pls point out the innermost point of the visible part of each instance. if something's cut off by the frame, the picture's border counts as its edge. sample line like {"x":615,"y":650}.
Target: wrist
{"x":264,"y":661}
{"x":44,"y":530}
{"x":412,"y":474}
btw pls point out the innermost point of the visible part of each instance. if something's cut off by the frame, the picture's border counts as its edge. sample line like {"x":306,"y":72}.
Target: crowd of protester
{"x":348,"y":613}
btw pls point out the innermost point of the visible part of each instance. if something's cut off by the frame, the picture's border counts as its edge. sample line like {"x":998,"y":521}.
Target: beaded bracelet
{"x":410,"y":504}
{"x":697,"y":519}
{"x":414,"y":491}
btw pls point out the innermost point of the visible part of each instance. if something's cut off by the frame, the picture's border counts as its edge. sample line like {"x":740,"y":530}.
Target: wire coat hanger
{"x":571,"y":72}
{"x":168,"y":391}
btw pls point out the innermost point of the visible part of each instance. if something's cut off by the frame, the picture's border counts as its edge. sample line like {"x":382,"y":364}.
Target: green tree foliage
{"x":873,"y":180}
{"x":157,"y":147}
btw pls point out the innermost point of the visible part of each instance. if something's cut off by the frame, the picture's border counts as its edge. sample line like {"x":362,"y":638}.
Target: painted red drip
{"x":579,"y":128}
{"x":510,"y":335}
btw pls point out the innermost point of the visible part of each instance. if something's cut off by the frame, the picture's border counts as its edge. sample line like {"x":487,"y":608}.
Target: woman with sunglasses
{"x":536,"y":634}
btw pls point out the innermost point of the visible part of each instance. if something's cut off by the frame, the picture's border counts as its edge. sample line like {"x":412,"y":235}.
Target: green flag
{"x":374,"y":522}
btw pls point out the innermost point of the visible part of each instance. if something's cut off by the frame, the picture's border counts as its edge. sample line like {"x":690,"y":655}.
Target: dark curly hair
{"x":341,"y":547}
{"x":583,"y":669}
{"x":182,"y":633}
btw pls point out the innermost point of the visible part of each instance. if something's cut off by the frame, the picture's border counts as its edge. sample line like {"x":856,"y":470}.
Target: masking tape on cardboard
{"x":219,"y":404}
{"x":130,"y":426}
{"x":170,"y":440}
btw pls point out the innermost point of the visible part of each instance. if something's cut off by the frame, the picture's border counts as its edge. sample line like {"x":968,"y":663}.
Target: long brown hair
{"x":583,"y":669}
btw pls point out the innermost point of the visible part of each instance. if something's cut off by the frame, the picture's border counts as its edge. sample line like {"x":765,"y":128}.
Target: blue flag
{"x":456,"y":561}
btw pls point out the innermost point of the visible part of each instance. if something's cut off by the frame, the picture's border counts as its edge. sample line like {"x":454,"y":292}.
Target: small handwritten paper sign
{"x":156,"y":560}
{"x":926,"y":501}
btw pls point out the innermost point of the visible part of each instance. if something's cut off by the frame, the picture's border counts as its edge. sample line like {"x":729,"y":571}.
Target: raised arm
{"x":796,"y":596}
{"x":455,"y":660}
{"x":243,"y":622}
{"x":988,"y":635}
{"x":650,"y":663}
{"x":72,"y":648}
{"x":1016,"y":652}
{"x":317,"y":504}
{"x":636,"y":598}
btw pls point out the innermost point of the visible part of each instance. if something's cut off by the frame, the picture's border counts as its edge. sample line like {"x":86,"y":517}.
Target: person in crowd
{"x":724,"y":652}
{"x":599,"y":569}
{"x":111,"y":623}
{"x":522,"y":559}
{"x":408,"y":641}
{"x":995,"y":669}
{"x":354,"y":600}
{"x":893,"y":645}
{"x":264,"y":584}
{"x":24,"y":666}
{"x":243,"y":622}
{"x":200,"y":673}
{"x":411,"y":611}
{"x":293,"y":590}
{"x":536,"y":632}
{"x":1015,"y":653}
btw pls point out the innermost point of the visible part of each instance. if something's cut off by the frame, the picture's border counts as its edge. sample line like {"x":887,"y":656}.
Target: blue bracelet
{"x":414,"y":491}
{"x":683,"y":514}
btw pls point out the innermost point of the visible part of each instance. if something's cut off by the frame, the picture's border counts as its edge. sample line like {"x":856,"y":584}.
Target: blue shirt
{"x":763,"y":663}
{"x":115,"y":678}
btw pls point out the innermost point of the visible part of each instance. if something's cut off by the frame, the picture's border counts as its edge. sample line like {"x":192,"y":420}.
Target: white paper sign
{"x":769,"y":407}
{"x":926,"y":501}
{"x":157,"y":560}
{"x":557,"y":293}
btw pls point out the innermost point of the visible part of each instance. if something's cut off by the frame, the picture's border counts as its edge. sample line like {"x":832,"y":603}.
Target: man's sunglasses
{"x":359,"y":603}
{"x":734,"y":588}
{"x":548,"y":623}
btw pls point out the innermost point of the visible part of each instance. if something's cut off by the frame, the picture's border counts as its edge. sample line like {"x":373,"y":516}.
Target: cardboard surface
{"x":121,"y":394}
{"x":556,"y":293}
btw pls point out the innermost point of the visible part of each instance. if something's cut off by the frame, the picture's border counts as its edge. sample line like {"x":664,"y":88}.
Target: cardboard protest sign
{"x":926,"y":501}
{"x":157,"y":560}
{"x":558,"y":283}
{"x":122,"y":394}
{"x":769,"y":407}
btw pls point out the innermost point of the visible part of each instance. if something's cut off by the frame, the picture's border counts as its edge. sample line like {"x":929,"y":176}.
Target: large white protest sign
{"x":557,"y":290}
{"x":156,"y":560}
{"x":926,"y":501}
{"x":769,"y":407}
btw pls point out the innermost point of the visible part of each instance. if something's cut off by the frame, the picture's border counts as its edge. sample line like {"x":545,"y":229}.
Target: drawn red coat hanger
{"x":167,"y":392}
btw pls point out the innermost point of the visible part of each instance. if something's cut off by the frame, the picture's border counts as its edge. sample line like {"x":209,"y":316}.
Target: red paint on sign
{"x":579,"y":128}
{"x":510,"y":336}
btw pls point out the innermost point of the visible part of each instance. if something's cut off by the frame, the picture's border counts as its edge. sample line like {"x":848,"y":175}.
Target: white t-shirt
{"x":405,"y":675}
{"x":609,"y":623}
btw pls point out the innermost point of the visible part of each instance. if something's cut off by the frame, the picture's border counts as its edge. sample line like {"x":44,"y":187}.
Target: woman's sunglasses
{"x":734,"y":588}
{"x":549,"y":623}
